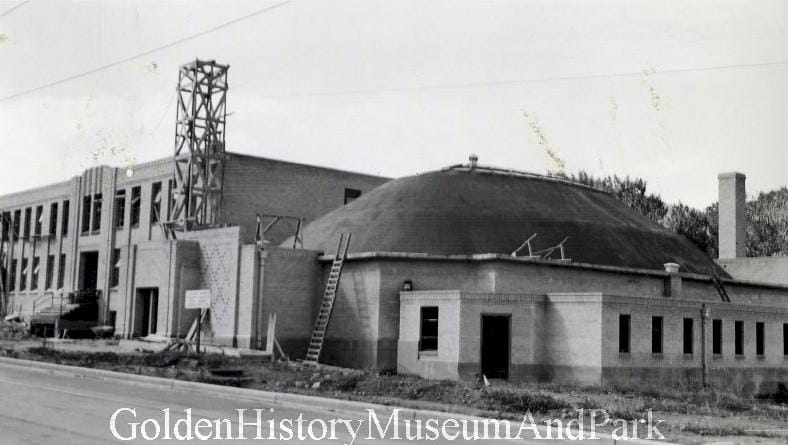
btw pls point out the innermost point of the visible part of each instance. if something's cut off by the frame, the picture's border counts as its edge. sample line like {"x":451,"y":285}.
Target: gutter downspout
{"x":704,"y":316}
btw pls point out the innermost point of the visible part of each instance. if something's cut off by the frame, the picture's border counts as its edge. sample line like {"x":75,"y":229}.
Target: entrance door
{"x":496,"y":342}
{"x":88,"y":270}
{"x":146,"y":312}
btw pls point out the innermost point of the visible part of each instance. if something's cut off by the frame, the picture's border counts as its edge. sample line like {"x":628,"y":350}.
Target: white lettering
{"x":113,"y":427}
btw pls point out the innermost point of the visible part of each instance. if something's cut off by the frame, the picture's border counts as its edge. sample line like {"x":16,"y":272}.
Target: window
{"x":135,"y":206}
{"x":17,"y":222}
{"x":86,"y":214}
{"x":716,"y":336}
{"x":53,"y":219}
{"x":155,"y":202}
{"x":28,"y":221}
{"x":114,"y":279}
{"x":785,"y":339}
{"x":34,"y":275}
{"x":64,"y":224}
{"x":689,"y":335}
{"x":7,"y":225}
{"x":61,"y":271}
{"x":759,"y":340}
{"x":119,"y":220}
{"x":428,"y":340}
{"x":12,"y":277}
{"x":50,"y":272}
{"x":39,"y":220}
{"x":97,"y":212}
{"x":656,"y":335}
{"x":624,"y":329}
{"x":351,"y":194}
{"x":170,"y":198}
{"x":738,"y":337}
{"x":23,"y":275}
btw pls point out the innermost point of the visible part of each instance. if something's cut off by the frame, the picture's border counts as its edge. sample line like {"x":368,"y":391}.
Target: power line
{"x":521,"y":81}
{"x":13,"y":8}
{"x":145,"y":53}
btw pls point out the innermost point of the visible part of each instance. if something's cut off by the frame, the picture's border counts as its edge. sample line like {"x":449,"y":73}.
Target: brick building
{"x":450,"y":274}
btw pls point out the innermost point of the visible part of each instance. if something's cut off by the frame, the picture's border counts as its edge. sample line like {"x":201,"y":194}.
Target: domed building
{"x":472,"y":271}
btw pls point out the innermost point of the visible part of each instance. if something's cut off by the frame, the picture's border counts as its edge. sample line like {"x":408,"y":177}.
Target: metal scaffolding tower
{"x":199,"y":145}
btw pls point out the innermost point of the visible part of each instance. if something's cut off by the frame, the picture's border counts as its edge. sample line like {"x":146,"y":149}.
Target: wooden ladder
{"x":321,"y":325}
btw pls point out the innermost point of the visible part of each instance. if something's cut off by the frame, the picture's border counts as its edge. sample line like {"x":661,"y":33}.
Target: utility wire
{"x":145,"y":53}
{"x":522,"y":81}
{"x":13,"y":8}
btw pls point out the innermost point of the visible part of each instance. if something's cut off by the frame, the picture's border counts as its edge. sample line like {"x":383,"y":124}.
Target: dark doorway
{"x":88,"y":270}
{"x":495,"y":346}
{"x":146,"y":312}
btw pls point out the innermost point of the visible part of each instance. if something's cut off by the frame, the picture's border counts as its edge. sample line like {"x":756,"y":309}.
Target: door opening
{"x":146,"y":312}
{"x":496,"y":341}
{"x":88,"y":270}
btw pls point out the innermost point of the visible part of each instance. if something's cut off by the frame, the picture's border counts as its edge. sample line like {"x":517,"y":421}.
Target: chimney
{"x":732,"y":237}
{"x":673,"y":283}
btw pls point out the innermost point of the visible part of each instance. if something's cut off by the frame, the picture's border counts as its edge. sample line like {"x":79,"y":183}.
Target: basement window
{"x":656,"y":335}
{"x":624,"y":333}
{"x":716,"y":337}
{"x":689,"y":335}
{"x":428,"y":338}
{"x":738,"y":337}
{"x":53,"y":219}
{"x":760,"y":347}
{"x":351,"y":194}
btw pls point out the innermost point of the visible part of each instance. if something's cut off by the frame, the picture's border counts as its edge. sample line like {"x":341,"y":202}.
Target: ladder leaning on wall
{"x":323,"y":316}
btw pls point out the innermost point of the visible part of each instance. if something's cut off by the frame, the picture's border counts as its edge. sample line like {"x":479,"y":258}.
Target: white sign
{"x":198,"y":299}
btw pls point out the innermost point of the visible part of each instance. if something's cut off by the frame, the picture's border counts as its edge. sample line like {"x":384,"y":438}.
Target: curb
{"x":339,"y":406}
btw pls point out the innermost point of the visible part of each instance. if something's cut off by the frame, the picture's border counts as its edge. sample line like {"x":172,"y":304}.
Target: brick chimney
{"x":732,"y":237}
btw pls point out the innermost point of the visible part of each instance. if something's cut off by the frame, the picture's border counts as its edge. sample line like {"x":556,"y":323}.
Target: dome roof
{"x":465,"y":211}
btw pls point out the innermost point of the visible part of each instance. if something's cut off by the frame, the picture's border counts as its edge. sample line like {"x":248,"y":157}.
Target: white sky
{"x":396,"y":88}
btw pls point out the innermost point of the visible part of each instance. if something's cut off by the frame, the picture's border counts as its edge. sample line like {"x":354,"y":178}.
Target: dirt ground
{"x":690,"y":416}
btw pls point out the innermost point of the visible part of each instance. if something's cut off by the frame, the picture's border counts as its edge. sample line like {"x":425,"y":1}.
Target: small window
{"x":97,"y":212}
{"x":135,"y":206}
{"x":53,"y":219}
{"x":64,"y":225}
{"x":624,"y":330}
{"x":34,"y":275}
{"x":12,"y":276}
{"x":716,"y":337}
{"x":155,"y":203}
{"x":119,"y":219}
{"x":7,"y":225}
{"x":50,"y":272}
{"x":428,"y":340}
{"x":28,"y":221}
{"x":61,"y":271}
{"x":86,"y":200}
{"x":738,"y":337}
{"x":115,"y":277}
{"x":656,"y":335}
{"x":689,"y":335}
{"x":351,"y":194}
{"x":760,"y":348}
{"x":39,"y":224}
{"x":23,"y":275}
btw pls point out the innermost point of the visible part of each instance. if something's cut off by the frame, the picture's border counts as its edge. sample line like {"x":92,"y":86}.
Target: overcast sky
{"x":674,"y":92}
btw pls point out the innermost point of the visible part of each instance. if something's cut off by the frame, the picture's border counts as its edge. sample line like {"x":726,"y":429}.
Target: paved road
{"x":40,"y":407}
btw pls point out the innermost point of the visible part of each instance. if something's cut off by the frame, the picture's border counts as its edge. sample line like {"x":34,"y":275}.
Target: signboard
{"x":198,"y":299}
